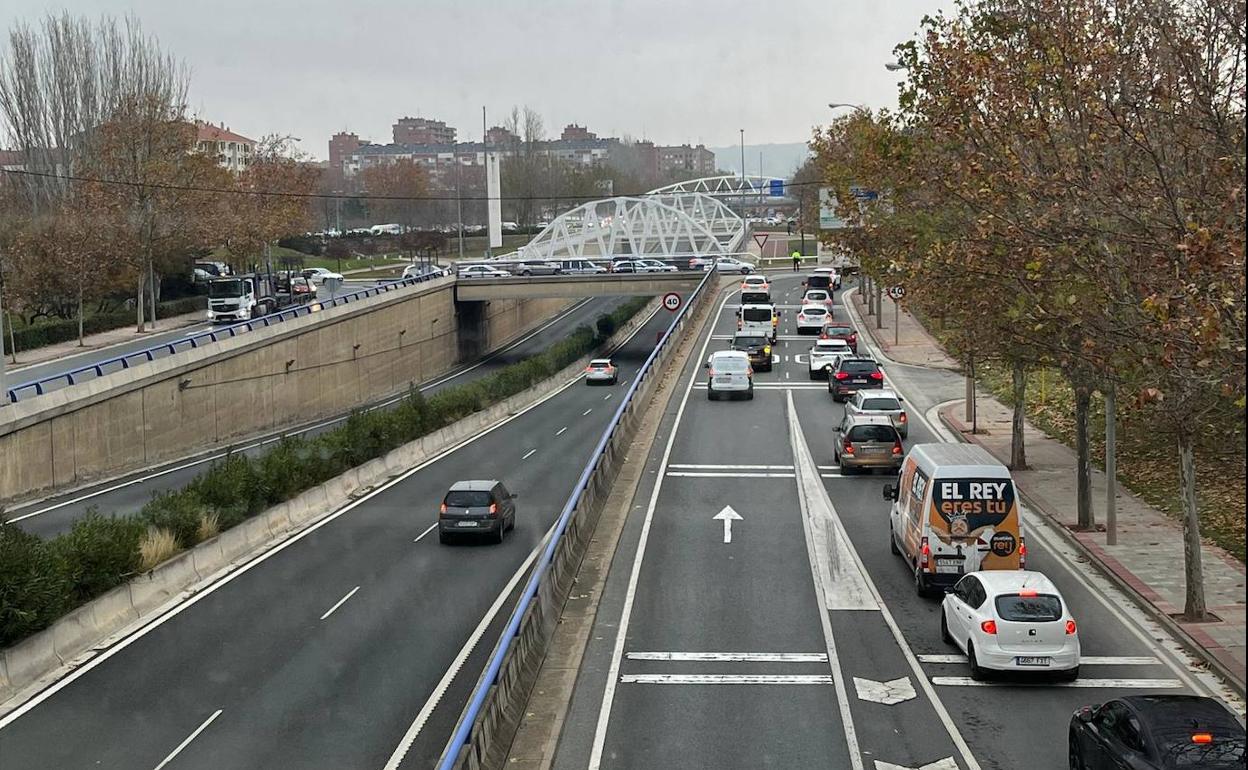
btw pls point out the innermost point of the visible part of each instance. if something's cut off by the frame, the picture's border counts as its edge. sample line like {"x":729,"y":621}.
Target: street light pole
{"x":743,"y":160}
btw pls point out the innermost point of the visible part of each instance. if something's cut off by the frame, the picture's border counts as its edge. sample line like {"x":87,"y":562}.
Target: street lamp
{"x":894,"y":66}
{"x":836,"y":105}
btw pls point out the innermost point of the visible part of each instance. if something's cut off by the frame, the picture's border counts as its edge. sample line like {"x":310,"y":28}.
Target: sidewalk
{"x":1148,"y":558}
{"x":913,"y":344}
{"x":97,"y":341}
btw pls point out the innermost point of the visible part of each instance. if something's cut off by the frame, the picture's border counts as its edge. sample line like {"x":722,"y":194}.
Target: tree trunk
{"x":1018,"y":449}
{"x":80,"y":342}
{"x":1083,"y":460}
{"x":1193,"y":569}
{"x":138,"y":303}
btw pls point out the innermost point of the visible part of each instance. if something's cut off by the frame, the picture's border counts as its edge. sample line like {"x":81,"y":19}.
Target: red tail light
{"x":848,"y":447}
{"x":877,"y":375}
{"x":442,"y":509}
{"x":493,"y":509}
{"x":1022,"y":552}
{"x":841,"y":376}
{"x":925,"y":554}
{"x":750,"y":371}
{"x":853,"y":337}
{"x":989,"y":627}
{"x":1202,"y":738}
{"x":902,"y":418}
{"x":1028,"y":592}
{"x":589,"y":368}
{"x":897,"y":447}
{"x":1071,"y":628}
{"x":712,"y":372}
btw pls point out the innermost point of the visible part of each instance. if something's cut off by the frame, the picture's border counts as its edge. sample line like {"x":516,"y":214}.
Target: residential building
{"x":422,"y":131}
{"x":575,"y":133}
{"x":498,"y":136}
{"x":341,"y":146}
{"x":233,"y":151}
{"x":696,"y":160}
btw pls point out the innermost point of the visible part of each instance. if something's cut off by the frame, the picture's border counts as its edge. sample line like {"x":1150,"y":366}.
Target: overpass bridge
{"x":577,"y":286}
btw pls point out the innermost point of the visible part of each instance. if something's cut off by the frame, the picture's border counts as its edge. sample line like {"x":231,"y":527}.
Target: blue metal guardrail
{"x":463,"y":731}
{"x":97,"y":369}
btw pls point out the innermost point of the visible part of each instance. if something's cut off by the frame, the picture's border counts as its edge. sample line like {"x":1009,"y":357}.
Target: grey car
{"x":866,"y":442}
{"x":478,"y":508}
{"x":536,"y":268}
{"x":883,"y":402}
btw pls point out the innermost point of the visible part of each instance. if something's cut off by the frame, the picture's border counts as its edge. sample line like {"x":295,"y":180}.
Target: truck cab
{"x":243,"y":297}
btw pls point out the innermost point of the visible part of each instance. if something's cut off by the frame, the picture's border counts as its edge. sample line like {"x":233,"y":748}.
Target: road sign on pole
{"x":896,"y":292}
{"x":671,"y":301}
{"x":760,"y":239}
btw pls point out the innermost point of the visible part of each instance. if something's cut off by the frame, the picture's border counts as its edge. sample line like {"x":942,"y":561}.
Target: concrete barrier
{"x":33,"y":661}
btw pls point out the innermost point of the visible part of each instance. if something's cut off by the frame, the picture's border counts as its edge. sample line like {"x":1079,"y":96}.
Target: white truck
{"x":243,"y":297}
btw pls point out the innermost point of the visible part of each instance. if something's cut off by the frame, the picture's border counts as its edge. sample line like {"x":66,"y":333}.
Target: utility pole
{"x":742,"y":161}
{"x":4,"y":388}
{"x":485,"y":158}
{"x":459,"y":211}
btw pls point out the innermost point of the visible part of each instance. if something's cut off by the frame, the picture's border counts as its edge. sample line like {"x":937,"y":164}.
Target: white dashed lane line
{"x":561,"y":430}
{"x":340,"y":602}
{"x":529,"y":454}
{"x":587,"y":411}
{"x":188,"y":740}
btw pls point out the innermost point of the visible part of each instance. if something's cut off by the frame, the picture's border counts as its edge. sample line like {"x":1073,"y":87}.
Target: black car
{"x":852,"y":375}
{"x":758,"y":348}
{"x":1156,"y":732}
{"x":476,"y":508}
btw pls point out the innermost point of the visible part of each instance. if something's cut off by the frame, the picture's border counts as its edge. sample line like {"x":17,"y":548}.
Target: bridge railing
{"x":489,"y":719}
{"x":518,"y":265}
{"x":38,"y":387}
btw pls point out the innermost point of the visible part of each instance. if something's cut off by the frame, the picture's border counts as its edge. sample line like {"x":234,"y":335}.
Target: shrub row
{"x":30,"y":337}
{"x":41,"y":580}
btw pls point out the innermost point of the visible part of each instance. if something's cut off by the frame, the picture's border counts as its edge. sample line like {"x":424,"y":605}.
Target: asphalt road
{"x":326,"y":651}
{"x":771,"y":650}
{"x":128,"y":493}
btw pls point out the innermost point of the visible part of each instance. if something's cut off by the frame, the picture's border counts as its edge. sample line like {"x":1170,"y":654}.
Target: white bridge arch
{"x":727,"y":186}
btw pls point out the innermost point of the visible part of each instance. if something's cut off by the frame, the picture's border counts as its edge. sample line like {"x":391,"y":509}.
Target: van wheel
{"x":978,"y":673}
{"x":710,"y":395}
{"x":498,"y":536}
{"x":892,"y":542}
{"x":749,"y":394}
{"x":945,"y":636}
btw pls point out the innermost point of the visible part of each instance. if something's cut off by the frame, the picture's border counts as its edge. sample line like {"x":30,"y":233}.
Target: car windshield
{"x":228,"y":288}
{"x":872,"y":433}
{"x":1041,"y":608}
{"x":838,"y":331}
{"x":748,"y":342}
{"x":730,"y":364}
{"x":881,"y":404}
{"x":468,"y":498}
{"x":859,"y":367}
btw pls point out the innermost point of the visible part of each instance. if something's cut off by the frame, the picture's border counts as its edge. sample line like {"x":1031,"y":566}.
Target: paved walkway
{"x":1148,"y":557}
{"x":100,"y":340}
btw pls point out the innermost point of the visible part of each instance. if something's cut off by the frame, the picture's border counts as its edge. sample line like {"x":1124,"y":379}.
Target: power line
{"x":341,"y":197}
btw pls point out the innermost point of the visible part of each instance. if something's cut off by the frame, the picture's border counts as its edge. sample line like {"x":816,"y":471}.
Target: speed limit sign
{"x":896,"y":292}
{"x":671,"y":301}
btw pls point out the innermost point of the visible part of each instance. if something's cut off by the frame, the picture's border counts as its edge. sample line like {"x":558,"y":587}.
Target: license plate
{"x":860,"y":382}
{"x":1031,"y":660}
{"x":948,"y":568}
{"x":723,"y":380}
{"x":466,"y":524}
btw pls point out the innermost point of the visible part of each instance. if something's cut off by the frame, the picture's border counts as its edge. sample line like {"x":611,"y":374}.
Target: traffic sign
{"x":671,"y":301}
{"x":760,"y":239}
{"x":896,"y":292}
{"x":775,"y":188}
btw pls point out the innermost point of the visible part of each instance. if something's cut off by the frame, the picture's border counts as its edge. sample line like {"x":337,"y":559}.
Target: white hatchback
{"x":1011,"y":620}
{"x":755,"y":283}
{"x":811,"y":318}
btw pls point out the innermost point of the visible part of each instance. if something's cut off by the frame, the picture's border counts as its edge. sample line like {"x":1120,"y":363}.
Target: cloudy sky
{"x":664,"y":70}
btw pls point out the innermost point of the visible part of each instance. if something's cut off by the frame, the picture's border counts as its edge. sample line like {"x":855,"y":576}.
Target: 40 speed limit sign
{"x":671,"y":301}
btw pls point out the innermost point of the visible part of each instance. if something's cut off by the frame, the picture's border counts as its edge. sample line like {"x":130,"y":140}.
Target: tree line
{"x":1063,"y":184}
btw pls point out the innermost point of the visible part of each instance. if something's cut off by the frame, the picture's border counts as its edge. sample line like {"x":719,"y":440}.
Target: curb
{"x":1097,"y":559}
{"x":37,"y":661}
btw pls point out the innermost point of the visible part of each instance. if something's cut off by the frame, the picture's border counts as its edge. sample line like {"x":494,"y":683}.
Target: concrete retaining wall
{"x":42,"y":658}
{"x":319,"y":365}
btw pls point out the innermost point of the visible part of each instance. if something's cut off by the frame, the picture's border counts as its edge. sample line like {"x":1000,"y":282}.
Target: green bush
{"x":178,"y":512}
{"x":99,"y":552}
{"x":34,"y":587}
{"x":52,"y":332}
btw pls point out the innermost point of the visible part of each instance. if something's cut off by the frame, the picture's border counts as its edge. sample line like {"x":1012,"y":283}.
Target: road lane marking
{"x":341,"y":601}
{"x":888,"y":693}
{"x":727,"y":515}
{"x":428,"y":529}
{"x":587,"y":411}
{"x":802,"y":450}
{"x":709,"y":467}
{"x":775,"y":386}
{"x":1126,"y":684}
{"x":1086,"y":660}
{"x":561,"y":430}
{"x":726,"y":679}
{"x":604,"y":398}
{"x":529,"y":454}
{"x":630,"y":592}
{"x":732,"y":657}
{"x":947,"y":763}
{"x":188,"y":740}
{"x":736,"y":475}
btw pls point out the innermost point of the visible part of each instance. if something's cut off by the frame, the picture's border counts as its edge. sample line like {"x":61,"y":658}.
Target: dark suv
{"x":757,"y":347}
{"x":476,"y":508}
{"x":852,"y":375}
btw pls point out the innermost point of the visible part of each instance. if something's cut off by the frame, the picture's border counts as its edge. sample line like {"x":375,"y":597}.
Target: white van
{"x":954,"y":511}
{"x":757,"y":321}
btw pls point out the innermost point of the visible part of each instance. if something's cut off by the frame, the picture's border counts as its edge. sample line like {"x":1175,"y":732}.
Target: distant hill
{"x":778,"y":159}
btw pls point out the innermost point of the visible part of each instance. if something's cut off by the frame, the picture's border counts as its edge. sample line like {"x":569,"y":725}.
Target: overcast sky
{"x":664,"y":70}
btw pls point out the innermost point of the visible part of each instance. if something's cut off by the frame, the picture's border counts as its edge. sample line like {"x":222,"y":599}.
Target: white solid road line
{"x":947,"y":763}
{"x":529,"y":454}
{"x":735,"y":475}
{"x":937,"y":705}
{"x":732,"y":657}
{"x":726,"y":679}
{"x":1126,"y":684}
{"x":1086,"y":660}
{"x":707,"y":467}
{"x":340,"y":602}
{"x":272,"y":439}
{"x":617,"y":654}
{"x":188,"y":740}
{"x":561,"y":430}
{"x":429,"y":529}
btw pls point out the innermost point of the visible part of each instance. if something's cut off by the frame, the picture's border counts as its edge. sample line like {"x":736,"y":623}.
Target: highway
{"x":791,"y":637}
{"x":328,"y":650}
{"x":126,"y":494}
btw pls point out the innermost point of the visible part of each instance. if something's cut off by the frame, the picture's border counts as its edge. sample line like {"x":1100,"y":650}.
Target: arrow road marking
{"x":726,"y":678}
{"x":1087,"y":660}
{"x":1132,"y":684}
{"x":732,"y":657}
{"x":728,"y":515}
{"x":889,"y":693}
{"x":943,"y":764}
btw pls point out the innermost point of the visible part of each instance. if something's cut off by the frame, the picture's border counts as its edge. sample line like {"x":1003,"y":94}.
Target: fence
{"x":490,"y":718}
{"x":38,"y":387}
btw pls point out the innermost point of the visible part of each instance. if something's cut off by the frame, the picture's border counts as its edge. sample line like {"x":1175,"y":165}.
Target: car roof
{"x":1012,"y":580}
{"x":474,"y":485}
{"x":875,"y":392}
{"x":600,"y":360}
{"x":832,"y":344}
{"x":858,"y":418}
{"x":729,"y":354}
{"x":1207,"y":711}
{"x":816,"y":291}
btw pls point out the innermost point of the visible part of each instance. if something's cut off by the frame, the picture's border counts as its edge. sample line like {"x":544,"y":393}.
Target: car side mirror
{"x":706,"y":365}
{"x":950,"y":589}
{"x":1085,"y":714}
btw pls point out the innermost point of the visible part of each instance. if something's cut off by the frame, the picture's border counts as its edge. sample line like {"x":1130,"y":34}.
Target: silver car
{"x":882,"y":402}
{"x":536,"y":268}
{"x":729,"y":371}
{"x":601,"y":370}
{"x":866,"y":442}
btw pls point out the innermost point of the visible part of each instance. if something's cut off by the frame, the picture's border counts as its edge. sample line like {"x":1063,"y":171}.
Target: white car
{"x":601,"y":370}
{"x":832,"y":275}
{"x":729,"y":371}
{"x":882,"y":401}
{"x":655,"y":266}
{"x":422,"y":272}
{"x":482,"y":271}
{"x":755,"y":283}
{"x":1011,"y":620}
{"x":730,"y":265}
{"x":319,"y":275}
{"x":811,"y":318}
{"x":818,"y":297}
{"x":825,"y":355}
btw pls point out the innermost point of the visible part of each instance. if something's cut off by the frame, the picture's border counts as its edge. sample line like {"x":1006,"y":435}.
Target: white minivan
{"x":729,"y":372}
